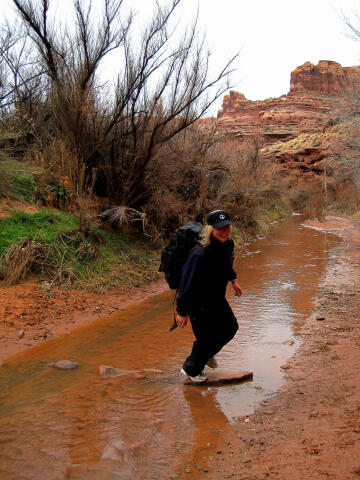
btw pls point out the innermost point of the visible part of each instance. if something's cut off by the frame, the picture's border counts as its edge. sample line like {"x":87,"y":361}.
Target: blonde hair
{"x":206,"y":235}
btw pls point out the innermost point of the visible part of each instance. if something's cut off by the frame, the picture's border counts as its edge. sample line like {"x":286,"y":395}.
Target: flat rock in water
{"x":218,"y":378}
{"x":65,"y":365}
{"x":109,"y":371}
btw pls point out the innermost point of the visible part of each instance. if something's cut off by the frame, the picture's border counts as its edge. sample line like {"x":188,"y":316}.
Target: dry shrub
{"x":121,"y":215}
{"x":64,"y":275}
{"x":308,"y":196}
{"x":86,"y":251}
{"x":201,"y":170}
{"x":252,"y":184}
{"x":55,"y":159}
{"x":57,"y":258}
{"x":315,"y":207}
{"x":57,"y":164}
{"x":167,"y":212}
{"x":298,"y":198}
{"x":22,"y":258}
{"x":183,"y":178}
{"x":73,"y":246}
{"x":347,"y":198}
{"x":344,"y":147}
{"x":64,"y":181}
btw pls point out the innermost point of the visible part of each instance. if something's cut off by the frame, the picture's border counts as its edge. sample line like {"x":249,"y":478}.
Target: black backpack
{"x":174,"y":255}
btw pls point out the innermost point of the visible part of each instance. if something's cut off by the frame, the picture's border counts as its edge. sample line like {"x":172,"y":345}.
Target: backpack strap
{"x":174,"y":325}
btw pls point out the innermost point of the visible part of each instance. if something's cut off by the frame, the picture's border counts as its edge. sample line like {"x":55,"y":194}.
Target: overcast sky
{"x":276,"y":36}
{"x":273,"y":37}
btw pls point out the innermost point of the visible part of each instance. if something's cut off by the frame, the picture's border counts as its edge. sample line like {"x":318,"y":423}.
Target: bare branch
{"x":163,"y":87}
{"x":37,"y":23}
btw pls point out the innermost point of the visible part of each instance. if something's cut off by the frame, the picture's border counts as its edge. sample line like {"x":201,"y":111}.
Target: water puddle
{"x":145,"y":424}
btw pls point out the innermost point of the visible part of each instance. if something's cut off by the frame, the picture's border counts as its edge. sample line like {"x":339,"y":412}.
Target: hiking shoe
{"x":212,"y":363}
{"x":197,"y":378}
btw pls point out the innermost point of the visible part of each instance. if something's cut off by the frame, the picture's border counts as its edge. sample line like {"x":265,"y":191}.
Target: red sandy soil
{"x":311,"y":428}
{"x":41,"y":311}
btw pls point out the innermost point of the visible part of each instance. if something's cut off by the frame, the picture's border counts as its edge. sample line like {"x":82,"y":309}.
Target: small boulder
{"x":65,"y":365}
{"x":20,"y":333}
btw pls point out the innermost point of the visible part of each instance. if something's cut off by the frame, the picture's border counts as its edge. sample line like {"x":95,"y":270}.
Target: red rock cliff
{"x":318,"y":95}
{"x":326,"y":78}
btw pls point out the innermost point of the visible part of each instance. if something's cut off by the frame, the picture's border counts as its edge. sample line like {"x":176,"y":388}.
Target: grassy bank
{"x":266,"y":216}
{"x":17,"y":181}
{"x":48,"y":244}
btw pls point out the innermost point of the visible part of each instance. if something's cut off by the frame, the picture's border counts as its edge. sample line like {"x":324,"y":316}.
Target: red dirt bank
{"x":43,"y":312}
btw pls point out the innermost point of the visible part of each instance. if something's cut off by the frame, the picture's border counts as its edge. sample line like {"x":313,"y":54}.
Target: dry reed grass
{"x":122,"y":215}
{"x":22,"y":258}
{"x":54,"y":258}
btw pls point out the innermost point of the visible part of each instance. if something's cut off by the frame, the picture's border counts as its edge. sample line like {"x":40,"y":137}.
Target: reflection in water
{"x":78,"y":425}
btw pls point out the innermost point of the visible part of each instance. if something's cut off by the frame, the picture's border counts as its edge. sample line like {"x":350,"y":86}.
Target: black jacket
{"x":205,"y":275}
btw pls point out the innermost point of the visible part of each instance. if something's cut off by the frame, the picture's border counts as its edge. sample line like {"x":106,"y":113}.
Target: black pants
{"x":213,"y":326}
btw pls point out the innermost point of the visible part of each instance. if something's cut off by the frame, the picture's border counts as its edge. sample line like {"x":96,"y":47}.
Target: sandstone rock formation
{"x":308,"y":161}
{"x":318,"y":95}
{"x":325,"y":78}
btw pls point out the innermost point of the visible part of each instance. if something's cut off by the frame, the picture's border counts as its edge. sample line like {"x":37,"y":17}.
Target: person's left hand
{"x":181,"y":320}
{"x":237,"y":288}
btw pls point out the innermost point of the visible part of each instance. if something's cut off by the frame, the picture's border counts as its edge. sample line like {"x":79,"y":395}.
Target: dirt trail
{"x":311,"y":428}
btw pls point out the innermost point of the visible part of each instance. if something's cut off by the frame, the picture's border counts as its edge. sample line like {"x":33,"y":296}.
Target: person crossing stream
{"x":201,"y":295}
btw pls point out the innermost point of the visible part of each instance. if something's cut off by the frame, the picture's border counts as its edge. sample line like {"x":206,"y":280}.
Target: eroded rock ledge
{"x":319,"y":95}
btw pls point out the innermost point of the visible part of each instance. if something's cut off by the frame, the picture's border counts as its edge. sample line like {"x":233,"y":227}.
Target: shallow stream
{"x":146,"y":424}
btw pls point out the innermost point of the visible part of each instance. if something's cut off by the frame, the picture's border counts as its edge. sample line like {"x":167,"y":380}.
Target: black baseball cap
{"x":218,"y":219}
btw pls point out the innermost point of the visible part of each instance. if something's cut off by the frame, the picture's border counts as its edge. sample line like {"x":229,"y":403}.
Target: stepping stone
{"x":64,"y":365}
{"x":219,"y":378}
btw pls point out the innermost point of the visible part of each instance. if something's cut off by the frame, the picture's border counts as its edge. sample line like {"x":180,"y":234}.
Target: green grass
{"x":266,"y":216}
{"x":63,"y":254}
{"x":44,"y":226}
{"x":16,"y":180}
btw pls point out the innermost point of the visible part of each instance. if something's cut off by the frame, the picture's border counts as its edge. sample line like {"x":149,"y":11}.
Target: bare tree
{"x":352,"y":22}
{"x":147,"y":116}
{"x":162,"y":88}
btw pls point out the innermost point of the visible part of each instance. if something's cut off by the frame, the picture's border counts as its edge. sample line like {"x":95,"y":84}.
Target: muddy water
{"x":145,"y":424}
